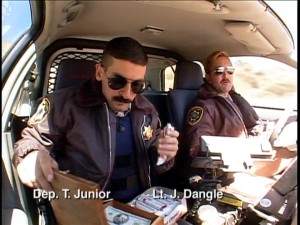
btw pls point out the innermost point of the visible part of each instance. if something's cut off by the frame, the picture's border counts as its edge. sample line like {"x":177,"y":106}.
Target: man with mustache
{"x":103,"y":130}
{"x":218,"y":110}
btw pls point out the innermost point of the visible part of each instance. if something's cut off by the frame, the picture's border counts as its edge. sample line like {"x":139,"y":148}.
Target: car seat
{"x":188,"y":78}
{"x":72,"y":72}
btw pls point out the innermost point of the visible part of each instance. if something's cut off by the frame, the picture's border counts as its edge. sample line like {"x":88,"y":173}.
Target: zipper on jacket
{"x":109,"y":141}
{"x":144,"y":121}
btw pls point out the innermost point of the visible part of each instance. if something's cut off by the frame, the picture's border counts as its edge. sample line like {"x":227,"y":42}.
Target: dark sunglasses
{"x":116,"y":82}
{"x":222,"y":69}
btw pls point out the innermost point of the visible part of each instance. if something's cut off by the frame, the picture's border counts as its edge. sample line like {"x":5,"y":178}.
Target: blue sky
{"x":15,"y":18}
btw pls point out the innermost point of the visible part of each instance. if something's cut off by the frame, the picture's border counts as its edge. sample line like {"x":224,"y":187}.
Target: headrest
{"x":71,"y":72}
{"x":188,"y":75}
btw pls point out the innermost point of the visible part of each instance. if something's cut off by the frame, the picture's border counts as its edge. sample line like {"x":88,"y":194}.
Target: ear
{"x":99,"y":72}
{"x":208,"y":78}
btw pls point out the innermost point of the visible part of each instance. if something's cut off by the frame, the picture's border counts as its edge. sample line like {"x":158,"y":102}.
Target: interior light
{"x":218,"y":5}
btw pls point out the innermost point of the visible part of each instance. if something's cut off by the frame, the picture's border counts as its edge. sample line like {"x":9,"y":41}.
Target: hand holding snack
{"x":167,"y":144}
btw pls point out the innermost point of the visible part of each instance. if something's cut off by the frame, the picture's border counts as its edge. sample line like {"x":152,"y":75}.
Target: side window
{"x":16,"y":20}
{"x":168,"y":78}
{"x":265,"y":82}
{"x":169,"y":75}
{"x":160,"y":73}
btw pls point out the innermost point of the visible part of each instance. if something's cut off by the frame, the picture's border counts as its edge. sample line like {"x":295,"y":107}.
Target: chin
{"x":121,"y":107}
{"x":226,"y":88}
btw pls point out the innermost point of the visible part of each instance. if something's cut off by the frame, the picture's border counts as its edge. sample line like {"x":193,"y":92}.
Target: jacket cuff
{"x":23,"y":149}
{"x":17,"y":158}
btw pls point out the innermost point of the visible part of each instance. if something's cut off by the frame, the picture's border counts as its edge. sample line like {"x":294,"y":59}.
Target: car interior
{"x":70,"y":65}
{"x":69,"y":39}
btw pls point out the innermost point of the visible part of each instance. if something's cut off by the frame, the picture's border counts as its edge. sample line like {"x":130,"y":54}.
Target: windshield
{"x":287,"y":11}
{"x":16,"y":21}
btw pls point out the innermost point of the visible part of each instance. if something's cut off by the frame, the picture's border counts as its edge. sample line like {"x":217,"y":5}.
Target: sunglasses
{"x":222,"y":69}
{"x":116,"y":82}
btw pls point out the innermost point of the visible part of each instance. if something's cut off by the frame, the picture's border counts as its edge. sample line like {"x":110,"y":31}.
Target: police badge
{"x":147,"y":133}
{"x":195,"y":115}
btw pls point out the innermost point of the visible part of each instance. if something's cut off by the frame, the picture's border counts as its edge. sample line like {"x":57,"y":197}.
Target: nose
{"x":126,"y":91}
{"x":225,"y":73}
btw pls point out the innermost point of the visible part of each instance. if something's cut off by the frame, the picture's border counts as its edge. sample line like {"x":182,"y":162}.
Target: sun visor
{"x":250,"y":36}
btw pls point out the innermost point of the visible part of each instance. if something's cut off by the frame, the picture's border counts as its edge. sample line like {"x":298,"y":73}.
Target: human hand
{"x":36,"y":170}
{"x":284,"y":153}
{"x":168,"y":144}
{"x":270,"y":168}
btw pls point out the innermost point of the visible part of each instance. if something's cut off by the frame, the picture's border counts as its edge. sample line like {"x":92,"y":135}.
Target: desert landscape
{"x":266,"y":83}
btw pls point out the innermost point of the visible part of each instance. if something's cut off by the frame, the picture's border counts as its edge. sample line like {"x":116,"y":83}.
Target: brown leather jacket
{"x":77,"y":127}
{"x":211,"y":114}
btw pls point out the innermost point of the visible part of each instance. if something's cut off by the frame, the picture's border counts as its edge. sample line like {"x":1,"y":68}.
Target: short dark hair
{"x":124,"y":48}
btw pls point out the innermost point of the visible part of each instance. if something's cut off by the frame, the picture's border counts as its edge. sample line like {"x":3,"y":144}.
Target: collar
{"x":228,"y":97}
{"x":123,"y":114}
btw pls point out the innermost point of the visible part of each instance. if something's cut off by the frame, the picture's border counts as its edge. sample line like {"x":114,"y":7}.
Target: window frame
{"x":16,"y":51}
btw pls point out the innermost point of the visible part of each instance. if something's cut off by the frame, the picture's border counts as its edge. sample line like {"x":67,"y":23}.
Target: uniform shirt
{"x":124,"y":182}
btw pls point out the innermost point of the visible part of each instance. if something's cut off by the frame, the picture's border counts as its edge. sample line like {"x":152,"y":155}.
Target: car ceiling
{"x":193,"y":29}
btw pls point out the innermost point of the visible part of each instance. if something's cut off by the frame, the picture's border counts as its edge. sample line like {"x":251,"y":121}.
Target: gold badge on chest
{"x":147,"y":133}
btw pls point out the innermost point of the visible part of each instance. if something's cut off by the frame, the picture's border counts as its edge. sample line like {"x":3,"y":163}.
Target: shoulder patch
{"x":41,"y":113}
{"x":195,"y":114}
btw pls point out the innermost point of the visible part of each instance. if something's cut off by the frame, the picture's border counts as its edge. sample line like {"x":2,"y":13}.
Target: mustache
{"x":225,"y":80}
{"x":121,"y":99}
